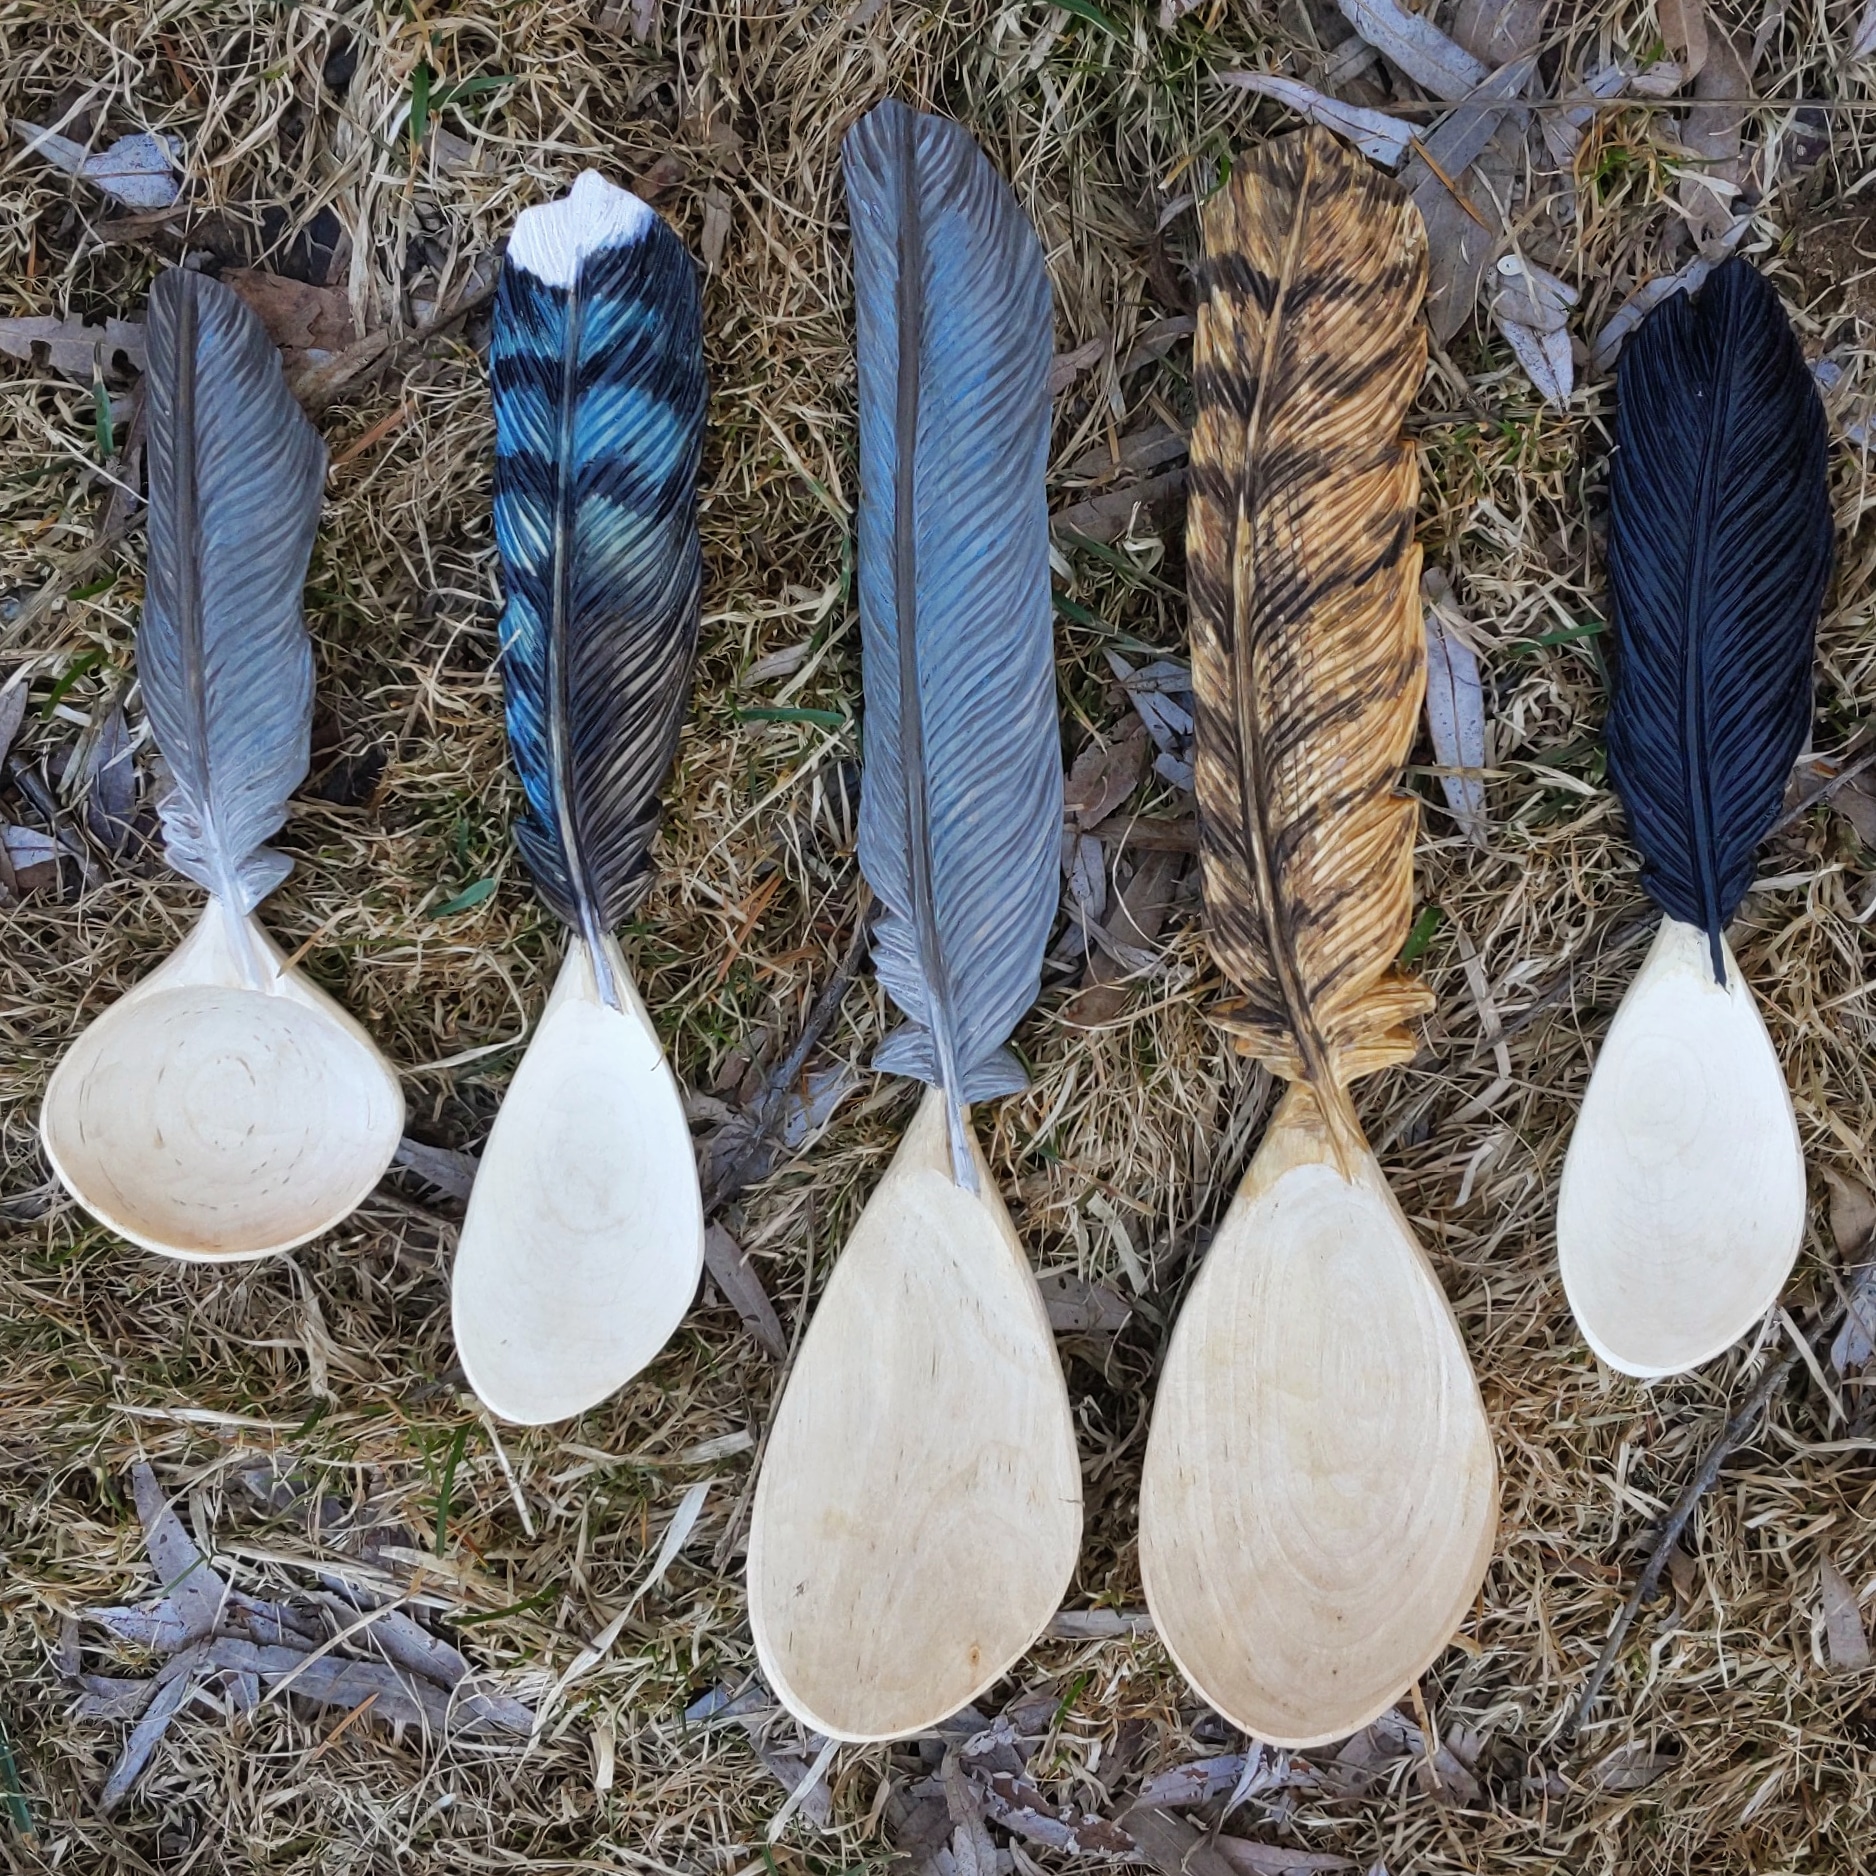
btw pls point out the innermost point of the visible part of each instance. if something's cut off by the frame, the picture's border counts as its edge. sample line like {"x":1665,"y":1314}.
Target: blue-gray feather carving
{"x":1719,"y":554}
{"x":961,"y":797}
{"x":223,"y":657}
{"x":596,"y":362}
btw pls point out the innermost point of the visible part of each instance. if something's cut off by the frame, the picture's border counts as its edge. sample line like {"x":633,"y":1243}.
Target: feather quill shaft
{"x":962,"y":794}
{"x":1719,"y":554}
{"x":1309,"y":659}
{"x":223,"y":656}
{"x":596,"y":362}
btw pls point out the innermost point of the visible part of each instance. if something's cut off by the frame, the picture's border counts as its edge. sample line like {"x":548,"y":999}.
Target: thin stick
{"x":1735,"y":1434}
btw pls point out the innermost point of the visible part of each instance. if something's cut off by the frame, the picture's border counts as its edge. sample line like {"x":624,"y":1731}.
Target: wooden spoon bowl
{"x":918,"y":1511}
{"x":583,"y":1245}
{"x":1320,"y":1496}
{"x":225,"y":1108}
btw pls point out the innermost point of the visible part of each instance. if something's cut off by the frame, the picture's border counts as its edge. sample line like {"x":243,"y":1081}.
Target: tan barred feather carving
{"x":1308,"y":653}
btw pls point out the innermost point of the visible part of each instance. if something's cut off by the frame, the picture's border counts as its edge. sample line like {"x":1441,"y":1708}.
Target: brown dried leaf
{"x":1106,"y":773}
{"x":1684,"y":30}
{"x":1709,"y":190}
{"x":733,"y":1273}
{"x":1631,"y":1767}
{"x":1077,"y":1307}
{"x":309,"y":324}
{"x":1844,"y":1639}
{"x":1107,"y":517}
{"x":1852,"y":1213}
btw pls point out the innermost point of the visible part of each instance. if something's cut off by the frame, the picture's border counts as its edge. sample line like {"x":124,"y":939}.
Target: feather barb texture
{"x":961,"y":799}
{"x":1308,"y":653}
{"x":223,"y":656}
{"x":596,"y":362}
{"x":1719,"y":553}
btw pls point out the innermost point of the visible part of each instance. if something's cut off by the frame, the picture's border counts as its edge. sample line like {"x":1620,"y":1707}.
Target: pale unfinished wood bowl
{"x":918,"y":1513}
{"x":1320,"y":1497}
{"x":583,"y":1244}
{"x":1682,"y":1205}
{"x":225,"y":1108}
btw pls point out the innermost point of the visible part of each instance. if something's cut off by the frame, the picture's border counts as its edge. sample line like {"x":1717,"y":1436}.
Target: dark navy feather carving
{"x":1719,"y":554}
{"x":236,"y":476}
{"x":597,"y":370}
{"x":961,"y":801}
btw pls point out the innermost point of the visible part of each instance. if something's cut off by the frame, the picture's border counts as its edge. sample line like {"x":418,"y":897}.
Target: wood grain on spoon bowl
{"x":583,"y":1243}
{"x":918,"y":1512}
{"x":1682,"y":1205}
{"x":225,"y":1108}
{"x":1320,"y":1495}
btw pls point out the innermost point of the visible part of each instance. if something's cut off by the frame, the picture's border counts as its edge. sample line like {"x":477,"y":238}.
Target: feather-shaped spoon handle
{"x":1319,"y":1499}
{"x":583,"y":1243}
{"x":919,"y":1509}
{"x":225,"y":1107}
{"x":1682,"y":1205}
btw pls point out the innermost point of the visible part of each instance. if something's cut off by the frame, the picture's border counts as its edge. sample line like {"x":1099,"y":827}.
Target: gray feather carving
{"x":222,"y":653}
{"x":961,"y":803}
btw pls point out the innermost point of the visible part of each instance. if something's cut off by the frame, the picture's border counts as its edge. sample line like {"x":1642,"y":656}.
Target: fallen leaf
{"x":1106,"y":773}
{"x":1607,"y":345}
{"x":1128,"y":945}
{"x":72,"y":348}
{"x":1066,"y":367}
{"x":1172,"y":1846}
{"x":310,"y":325}
{"x":1709,"y":190}
{"x":111,"y":784}
{"x":1660,"y":80}
{"x":1085,"y":865}
{"x":753,"y":1710}
{"x":1854,"y":1344}
{"x":1099,"y":1624}
{"x":1417,"y":46}
{"x":1455,"y":708}
{"x":1380,"y":138}
{"x":1151,"y":448}
{"x":1171,"y":12}
{"x":1863,"y":40}
{"x":1844,"y":1639}
{"x":1631,"y":1767}
{"x":173,"y":1686}
{"x":716,"y":229}
{"x":1197,"y":1782}
{"x":12,"y":710}
{"x":1077,"y":1307}
{"x":1108,"y":517}
{"x":1532,"y":296}
{"x":452,"y":1174}
{"x":138,"y":170}
{"x":1278,"y":1859}
{"x":1011,"y":1800}
{"x":1462,"y":229}
{"x":1496,"y":30}
{"x":183,"y":1574}
{"x":733,"y":1273}
{"x":1546,"y":359}
{"x":1563,"y":129}
{"x":1852,"y":1212}
{"x":1683,"y":26}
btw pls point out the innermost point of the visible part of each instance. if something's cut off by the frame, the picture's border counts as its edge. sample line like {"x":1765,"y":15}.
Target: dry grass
{"x":339,"y":1356}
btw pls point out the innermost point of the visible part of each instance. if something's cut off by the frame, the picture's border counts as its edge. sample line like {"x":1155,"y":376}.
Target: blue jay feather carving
{"x":961,"y":800}
{"x":223,"y":657}
{"x":1719,"y":554}
{"x":596,"y":363}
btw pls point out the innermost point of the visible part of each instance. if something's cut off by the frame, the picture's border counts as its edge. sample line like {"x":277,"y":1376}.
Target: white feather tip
{"x":552,"y":240}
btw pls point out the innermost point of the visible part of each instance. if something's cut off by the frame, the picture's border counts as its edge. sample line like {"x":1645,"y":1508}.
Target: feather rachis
{"x":1308,"y":657}
{"x":597,"y":371}
{"x":1719,"y":555}
{"x":223,"y":656}
{"x":961,"y":794}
